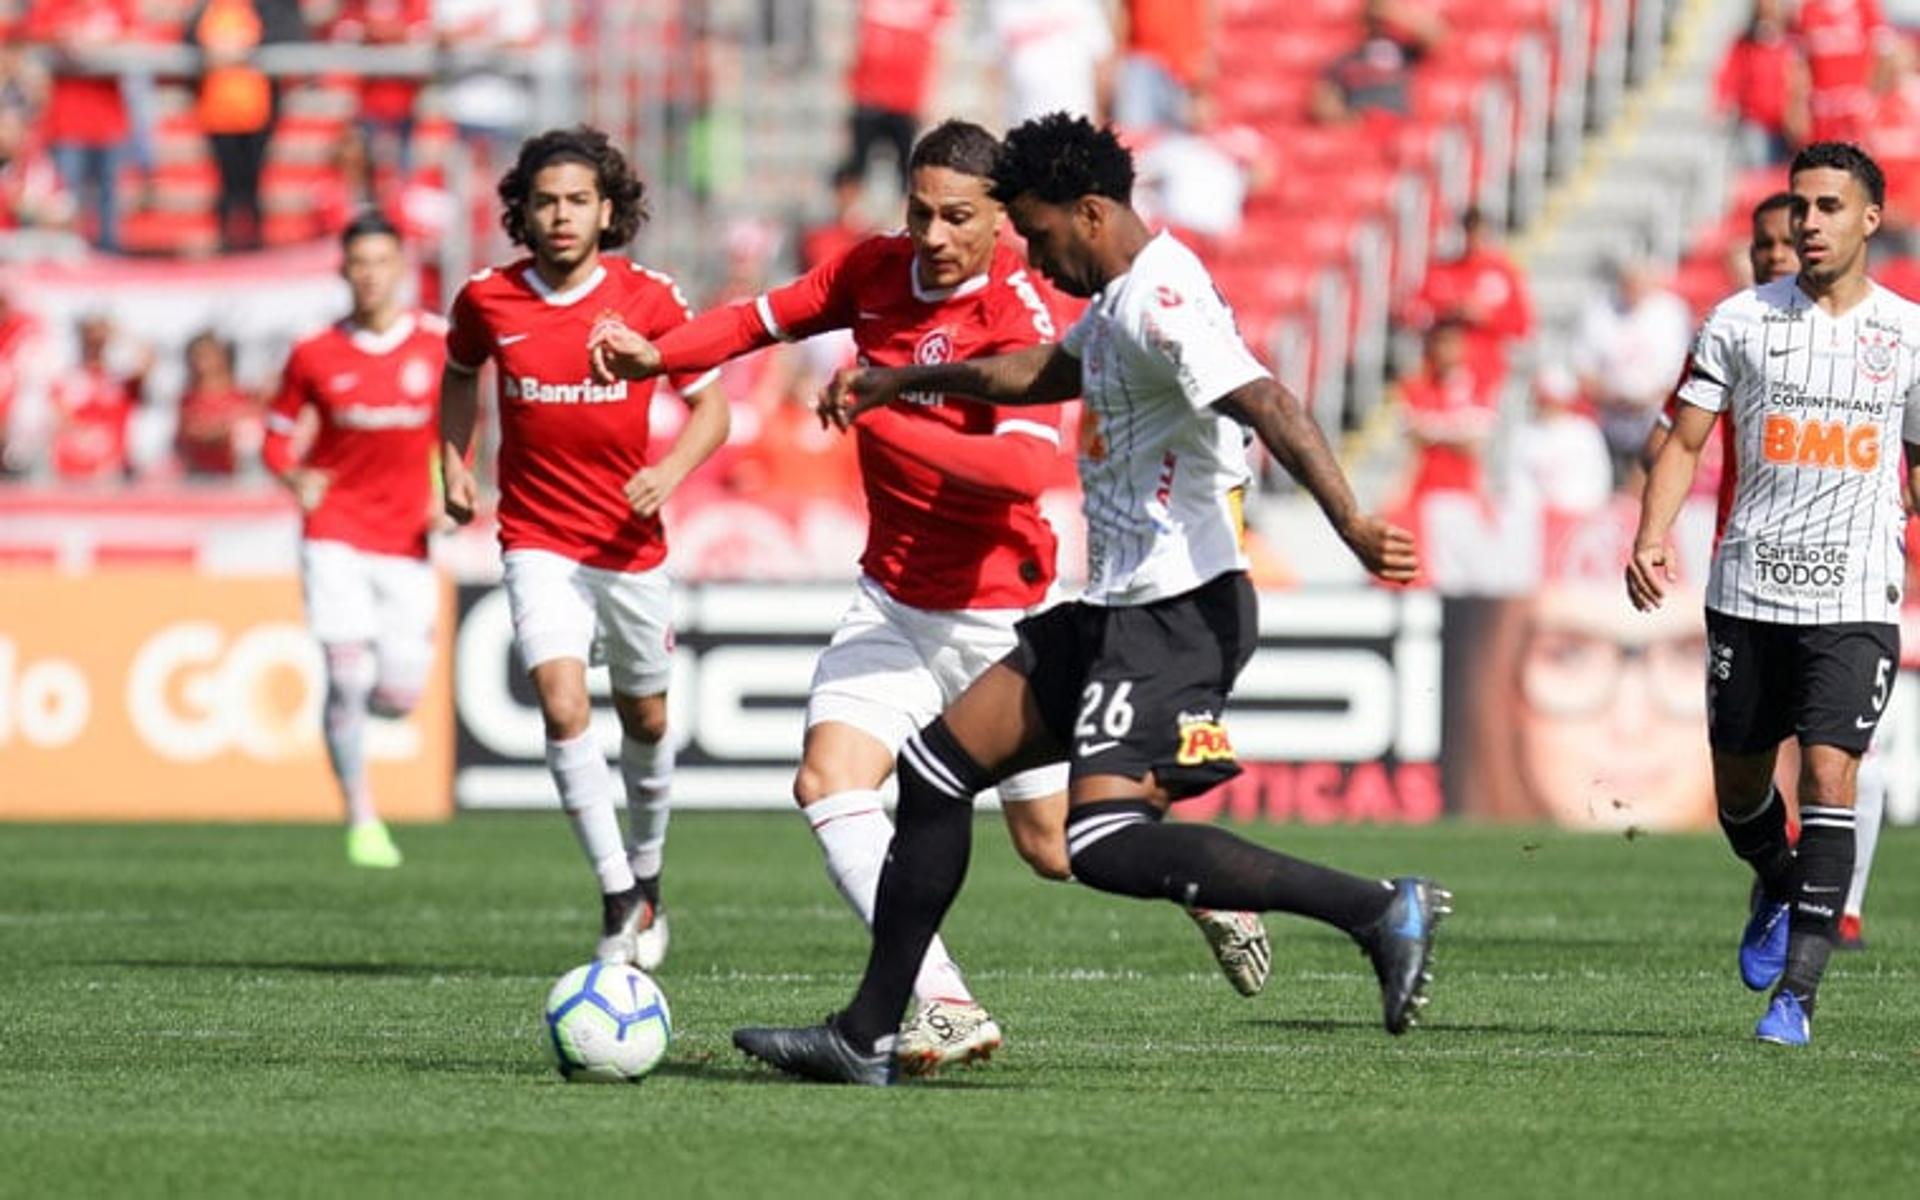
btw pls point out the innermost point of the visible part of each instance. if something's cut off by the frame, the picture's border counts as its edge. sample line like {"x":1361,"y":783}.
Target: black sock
{"x":650,"y":888}
{"x":1121,"y":846}
{"x":932,"y":840}
{"x":1760,"y":839}
{"x":1825,"y":862}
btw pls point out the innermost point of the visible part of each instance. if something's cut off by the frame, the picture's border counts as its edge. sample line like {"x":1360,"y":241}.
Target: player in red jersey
{"x":365,"y":489}
{"x":579,"y":501}
{"x":956,"y":548}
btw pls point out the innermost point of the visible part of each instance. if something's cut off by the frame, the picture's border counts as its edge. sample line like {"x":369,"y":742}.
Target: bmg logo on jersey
{"x":1793,"y":441}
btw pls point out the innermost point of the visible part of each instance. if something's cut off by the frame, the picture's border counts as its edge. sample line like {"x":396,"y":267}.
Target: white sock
{"x":350,"y":676}
{"x":854,"y":834}
{"x":1869,"y":805}
{"x":586,"y":793}
{"x":646,"y":768}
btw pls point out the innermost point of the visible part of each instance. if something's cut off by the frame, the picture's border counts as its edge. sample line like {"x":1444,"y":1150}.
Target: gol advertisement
{"x":173,"y":695}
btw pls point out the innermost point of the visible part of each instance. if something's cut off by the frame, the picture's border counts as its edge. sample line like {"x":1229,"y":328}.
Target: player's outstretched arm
{"x":617,"y":352}
{"x":459,"y":409}
{"x":1283,"y":426}
{"x":708,"y":420}
{"x":1650,"y":569}
{"x":1044,"y":374}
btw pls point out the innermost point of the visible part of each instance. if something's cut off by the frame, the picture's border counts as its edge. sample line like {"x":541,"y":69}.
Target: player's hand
{"x":1385,"y":549}
{"x":459,"y":491}
{"x":309,"y":486}
{"x":648,"y":490}
{"x":1649,"y":572}
{"x":852,"y":391}
{"x":617,"y":352}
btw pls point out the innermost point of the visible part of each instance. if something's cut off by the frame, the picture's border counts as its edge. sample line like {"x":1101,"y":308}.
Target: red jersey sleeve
{"x":283,"y":414}
{"x":659,"y":310}
{"x":820,"y":300}
{"x":468,"y":343}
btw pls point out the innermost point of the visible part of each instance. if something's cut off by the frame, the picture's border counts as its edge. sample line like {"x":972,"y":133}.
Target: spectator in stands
{"x":849,"y":225}
{"x":1373,"y":82}
{"x":23,"y":85}
{"x":893,"y":60}
{"x":1482,"y":289}
{"x":220,"y":422}
{"x":1762,"y":86}
{"x":386,"y":102}
{"x":86,"y":124}
{"x":1629,"y":347}
{"x":93,"y":404}
{"x":487,"y":105}
{"x":31,"y":194}
{"x":1053,"y":56}
{"x":23,"y":381}
{"x":1559,"y":459}
{"x":1451,"y":412}
{"x":1167,"y":62}
{"x":1196,"y":180}
{"x":1841,"y":41}
{"x":238,"y":103}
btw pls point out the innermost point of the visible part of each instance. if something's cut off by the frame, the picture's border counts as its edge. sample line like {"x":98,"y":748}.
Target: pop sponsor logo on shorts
{"x":1782,"y":572}
{"x":1203,"y":739}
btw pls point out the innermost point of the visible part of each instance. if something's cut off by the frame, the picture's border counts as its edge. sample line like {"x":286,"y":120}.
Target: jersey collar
{"x":368,"y":342}
{"x":572,"y":295}
{"x":966,"y":287}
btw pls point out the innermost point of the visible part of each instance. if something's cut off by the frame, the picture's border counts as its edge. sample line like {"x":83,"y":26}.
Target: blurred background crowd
{"x":1467,"y":232}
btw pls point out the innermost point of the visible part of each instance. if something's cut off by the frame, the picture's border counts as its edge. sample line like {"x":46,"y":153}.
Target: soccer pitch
{"x":213,"y":1011}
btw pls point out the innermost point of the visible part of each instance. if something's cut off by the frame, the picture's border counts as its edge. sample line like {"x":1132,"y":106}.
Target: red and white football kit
{"x":578,"y":559}
{"x":364,"y":546}
{"x":956,"y":547}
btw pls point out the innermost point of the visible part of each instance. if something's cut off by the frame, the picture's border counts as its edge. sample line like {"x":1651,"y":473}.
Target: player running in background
{"x":1818,"y":373}
{"x":579,"y":501}
{"x":1771,"y":254}
{"x":956,"y":548}
{"x":1127,"y":685}
{"x":365,"y":489}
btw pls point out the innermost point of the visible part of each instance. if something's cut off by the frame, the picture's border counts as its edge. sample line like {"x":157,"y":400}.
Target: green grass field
{"x":233,"y":1011}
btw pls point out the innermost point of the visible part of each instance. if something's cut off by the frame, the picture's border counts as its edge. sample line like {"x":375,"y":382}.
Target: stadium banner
{"x":171,"y":694}
{"x":1337,"y":719}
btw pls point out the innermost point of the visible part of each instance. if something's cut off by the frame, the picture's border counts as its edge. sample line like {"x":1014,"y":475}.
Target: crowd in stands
{"x":1243,"y":116}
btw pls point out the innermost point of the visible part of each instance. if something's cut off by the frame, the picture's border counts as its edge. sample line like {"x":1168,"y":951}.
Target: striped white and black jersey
{"x":1820,"y":406}
{"x":1162,"y":474}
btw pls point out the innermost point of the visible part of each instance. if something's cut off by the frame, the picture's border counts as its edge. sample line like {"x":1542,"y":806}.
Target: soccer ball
{"x":608,"y":1023}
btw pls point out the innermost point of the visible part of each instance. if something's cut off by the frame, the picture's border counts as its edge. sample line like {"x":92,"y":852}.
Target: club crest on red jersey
{"x":934,"y":347}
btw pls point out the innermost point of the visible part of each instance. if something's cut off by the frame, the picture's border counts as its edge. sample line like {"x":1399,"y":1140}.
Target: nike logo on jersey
{"x":1779,"y":351}
{"x":509,"y":339}
{"x":1864,"y":722}
{"x":342,"y":383}
{"x":1089,"y":749}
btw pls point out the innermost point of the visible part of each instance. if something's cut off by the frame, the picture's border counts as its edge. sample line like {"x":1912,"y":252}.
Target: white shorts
{"x":562,"y":609}
{"x":389,"y":601}
{"x":891,"y":668}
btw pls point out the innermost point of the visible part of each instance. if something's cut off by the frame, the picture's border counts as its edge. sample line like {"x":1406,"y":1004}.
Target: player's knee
{"x":565,"y":716}
{"x":811,"y":785}
{"x":644,"y":723}
{"x":1047,"y":856}
{"x":393,"y":701}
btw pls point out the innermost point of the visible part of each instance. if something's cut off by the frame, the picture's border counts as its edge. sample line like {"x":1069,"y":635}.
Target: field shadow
{"x":1503,"y":1028}
{"x":299,"y":967}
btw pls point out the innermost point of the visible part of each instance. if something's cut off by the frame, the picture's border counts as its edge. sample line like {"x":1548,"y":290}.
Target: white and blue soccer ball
{"x":608,"y":1023}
